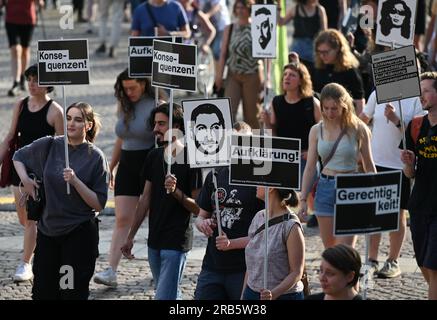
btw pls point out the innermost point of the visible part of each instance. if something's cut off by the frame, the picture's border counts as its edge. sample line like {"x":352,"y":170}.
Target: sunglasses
{"x":399,"y":12}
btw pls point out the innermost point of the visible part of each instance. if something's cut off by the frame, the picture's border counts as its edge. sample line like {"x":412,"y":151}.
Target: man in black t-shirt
{"x":224,"y":267}
{"x":169,"y":199}
{"x":420,"y":162}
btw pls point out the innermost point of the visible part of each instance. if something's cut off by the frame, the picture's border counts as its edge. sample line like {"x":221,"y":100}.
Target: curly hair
{"x":387,"y":24}
{"x":126,"y":106}
{"x":306,"y":85}
{"x":345,"y":58}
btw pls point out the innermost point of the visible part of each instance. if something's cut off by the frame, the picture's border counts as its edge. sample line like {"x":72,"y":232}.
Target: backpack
{"x":416,"y":124}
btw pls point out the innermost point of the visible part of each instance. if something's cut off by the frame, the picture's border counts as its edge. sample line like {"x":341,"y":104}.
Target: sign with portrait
{"x":265,"y":161}
{"x":395,"y":23}
{"x":63,"y":62}
{"x":395,"y":74}
{"x":367,"y":203}
{"x":263,"y":30}
{"x":208,"y":126}
{"x":174,"y":65}
{"x":141,"y":54}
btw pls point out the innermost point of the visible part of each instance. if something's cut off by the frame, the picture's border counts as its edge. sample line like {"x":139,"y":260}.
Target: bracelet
{"x":399,"y":124}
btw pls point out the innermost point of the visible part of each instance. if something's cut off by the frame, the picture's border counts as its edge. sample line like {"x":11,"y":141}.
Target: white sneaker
{"x":108,"y":277}
{"x":23,"y":272}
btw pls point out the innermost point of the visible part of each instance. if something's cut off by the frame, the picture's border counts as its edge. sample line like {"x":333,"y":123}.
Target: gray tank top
{"x":345,"y":156}
{"x":138,"y":135}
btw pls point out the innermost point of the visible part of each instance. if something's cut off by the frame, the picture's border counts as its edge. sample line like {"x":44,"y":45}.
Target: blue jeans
{"x":167,"y":267}
{"x":219,"y":286}
{"x":250,"y":294}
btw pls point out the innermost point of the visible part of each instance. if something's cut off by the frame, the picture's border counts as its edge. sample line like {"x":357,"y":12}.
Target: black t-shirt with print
{"x":238,"y":205}
{"x":169,"y":222}
{"x":423,"y":198}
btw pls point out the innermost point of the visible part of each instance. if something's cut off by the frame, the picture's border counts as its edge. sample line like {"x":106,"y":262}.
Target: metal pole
{"x":216,"y":200}
{"x":366,"y":275}
{"x":67,"y":161}
{"x":156,"y":88}
{"x":404,"y":144}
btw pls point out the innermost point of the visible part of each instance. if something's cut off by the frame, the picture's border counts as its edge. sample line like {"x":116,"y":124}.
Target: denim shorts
{"x":304,"y":47}
{"x":250,"y":294}
{"x":324,"y":202}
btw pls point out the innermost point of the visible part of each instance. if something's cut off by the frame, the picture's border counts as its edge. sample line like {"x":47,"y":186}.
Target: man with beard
{"x":169,"y":200}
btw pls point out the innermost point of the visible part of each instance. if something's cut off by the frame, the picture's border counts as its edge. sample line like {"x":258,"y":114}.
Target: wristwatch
{"x":399,"y":124}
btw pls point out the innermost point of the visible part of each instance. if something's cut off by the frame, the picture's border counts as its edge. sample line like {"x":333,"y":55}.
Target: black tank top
{"x":33,"y":125}
{"x":304,"y":26}
{"x":294,"y":120}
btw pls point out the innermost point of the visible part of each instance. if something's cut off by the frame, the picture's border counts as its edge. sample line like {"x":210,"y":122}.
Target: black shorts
{"x":405,"y":188}
{"x":129,"y":180}
{"x":19,"y":34}
{"x":424,"y":234}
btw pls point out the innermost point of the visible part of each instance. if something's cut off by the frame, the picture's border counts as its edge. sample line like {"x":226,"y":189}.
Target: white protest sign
{"x":263,"y":29}
{"x":395,"y":23}
{"x":395,"y":74}
{"x":208,"y":126}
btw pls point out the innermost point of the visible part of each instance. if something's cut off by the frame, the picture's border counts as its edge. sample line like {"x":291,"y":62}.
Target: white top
{"x":386,"y":137}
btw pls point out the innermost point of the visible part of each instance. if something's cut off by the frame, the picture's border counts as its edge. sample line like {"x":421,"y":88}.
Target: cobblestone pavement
{"x":135,"y":280}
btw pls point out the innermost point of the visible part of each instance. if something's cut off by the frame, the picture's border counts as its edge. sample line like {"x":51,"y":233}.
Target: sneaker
{"x":390,"y":269}
{"x":107,"y":277}
{"x":23,"y":272}
{"x":101,"y":49}
{"x":15,"y":90}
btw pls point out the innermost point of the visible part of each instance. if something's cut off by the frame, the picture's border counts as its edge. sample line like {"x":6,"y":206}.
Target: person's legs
{"x":170,"y":274}
{"x":117,"y":19}
{"x":234,"y":284}
{"x":397,"y":237}
{"x":79,"y":251}
{"x":429,"y":266}
{"x":210,"y":286}
{"x":233,"y":90}
{"x":326,"y":225}
{"x":103,"y":21}
{"x":23,"y":271}
{"x":153,"y":255}
{"x":348,"y":240}
{"x":432,"y":289}
{"x":46,"y":264}
{"x":124,"y":214}
{"x":251,"y":84}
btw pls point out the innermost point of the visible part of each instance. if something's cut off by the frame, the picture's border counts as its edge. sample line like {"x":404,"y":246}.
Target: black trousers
{"x":63,"y":265}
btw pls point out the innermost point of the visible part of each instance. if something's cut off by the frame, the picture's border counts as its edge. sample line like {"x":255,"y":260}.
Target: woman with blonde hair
{"x":335,"y":62}
{"x":339,"y":140}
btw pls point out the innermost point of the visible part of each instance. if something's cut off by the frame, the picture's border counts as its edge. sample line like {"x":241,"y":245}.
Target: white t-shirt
{"x":385,"y":136}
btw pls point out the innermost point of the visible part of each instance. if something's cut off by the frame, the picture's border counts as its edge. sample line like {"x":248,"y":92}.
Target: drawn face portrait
{"x":265,"y":27}
{"x":397,"y":15}
{"x":208,"y":129}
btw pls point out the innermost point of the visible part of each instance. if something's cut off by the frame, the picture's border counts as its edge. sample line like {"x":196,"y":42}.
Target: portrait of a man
{"x":265,"y":27}
{"x":208,"y":128}
{"x":207,"y":122}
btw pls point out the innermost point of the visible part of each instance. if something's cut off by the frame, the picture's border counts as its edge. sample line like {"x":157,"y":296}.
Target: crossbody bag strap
{"x":334,"y":147}
{"x":152,"y":17}
{"x":272,"y":222}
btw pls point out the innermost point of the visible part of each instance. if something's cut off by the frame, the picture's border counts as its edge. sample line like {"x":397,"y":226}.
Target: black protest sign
{"x":395,"y":74}
{"x":174,"y":66}
{"x":141,"y":54}
{"x":265,"y":161}
{"x":63,"y":62}
{"x":367,"y":203}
